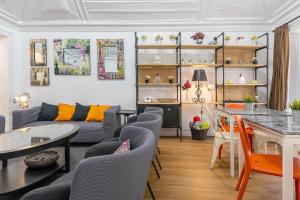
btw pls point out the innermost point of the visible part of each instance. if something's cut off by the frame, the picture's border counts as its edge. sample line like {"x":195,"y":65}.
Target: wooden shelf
{"x":194,"y":46}
{"x":201,"y":65}
{"x":242,"y":85}
{"x":157,"y":65}
{"x":158,"y":85}
{"x":158,"y":103}
{"x":157,"y":46}
{"x":245,"y":47}
{"x":244,"y":66}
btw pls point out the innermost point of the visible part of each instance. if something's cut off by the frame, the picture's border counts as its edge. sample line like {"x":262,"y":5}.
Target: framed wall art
{"x":39,"y":76}
{"x":72,"y":57}
{"x":38,"y":52}
{"x":110,"y":59}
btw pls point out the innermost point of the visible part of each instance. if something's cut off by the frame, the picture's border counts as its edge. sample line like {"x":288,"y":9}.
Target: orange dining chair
{"x":261,"y":163}
{"x":226,"y":126}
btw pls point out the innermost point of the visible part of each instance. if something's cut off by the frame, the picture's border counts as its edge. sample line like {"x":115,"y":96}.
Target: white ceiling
{"x":147,"y":14}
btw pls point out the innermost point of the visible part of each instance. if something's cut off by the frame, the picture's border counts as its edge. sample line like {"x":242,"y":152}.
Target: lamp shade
{"x":199,"y":75}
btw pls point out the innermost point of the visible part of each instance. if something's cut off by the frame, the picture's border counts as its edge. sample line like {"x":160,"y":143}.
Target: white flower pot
{"x":249,"y":106}
{"x":296,"y":115}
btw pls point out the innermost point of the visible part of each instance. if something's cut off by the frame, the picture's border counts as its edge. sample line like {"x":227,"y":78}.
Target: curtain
{"x":279,"y":87}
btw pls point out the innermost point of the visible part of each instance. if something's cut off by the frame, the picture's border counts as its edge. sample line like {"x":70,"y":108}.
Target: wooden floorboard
{"x":186,"y":175}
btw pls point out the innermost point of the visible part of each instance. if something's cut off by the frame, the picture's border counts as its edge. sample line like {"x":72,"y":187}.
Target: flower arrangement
{"x":198,"y":37}
{"x":170,"y":78}
{"x":227,"y":38}
{"x":186,"y":86}
{"x":159,"y":38}
{"x":147,"y":78}
{"x":172,"y":37}
{"x":143,"y":38}
{"x":249,"y":99}
{"x":200,"y":124}
{"x":254,"y":39}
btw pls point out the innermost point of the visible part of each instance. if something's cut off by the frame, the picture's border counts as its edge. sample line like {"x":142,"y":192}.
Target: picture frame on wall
{"x":39,"y":76}
{"x":110,"y":59}
{"x":71,"y":56}
{"x":38,"y":52}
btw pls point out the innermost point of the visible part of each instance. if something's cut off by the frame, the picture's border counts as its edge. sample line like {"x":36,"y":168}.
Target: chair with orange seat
{"x":261,"y":163}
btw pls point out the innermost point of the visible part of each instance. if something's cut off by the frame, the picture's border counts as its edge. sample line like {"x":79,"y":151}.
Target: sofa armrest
{"x":103,"y":148}
{"x":23,"y":117}
{"x":111,"y":121}
{"x":51,"y":192}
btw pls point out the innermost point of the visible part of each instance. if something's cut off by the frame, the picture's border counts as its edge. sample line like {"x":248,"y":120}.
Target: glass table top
{"x":33,"y":136}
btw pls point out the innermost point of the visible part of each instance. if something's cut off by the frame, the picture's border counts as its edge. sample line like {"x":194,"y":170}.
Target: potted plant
{"x":249,"y":102}
{"x":228,"y":61}
{"x":254,"y":61}
{"x":199,"y":128}
{"x":172,"y":37}
{"x":187,"y":85}
{"x":240,"y":40}
{"x":171,"y":79}
{"x":295,"y":106}
{"x":198,"y":37}
{"x":254,"y":40}
{"x":147,"y":78}
{"x":227,"y":38}
{"x":159,"y":39}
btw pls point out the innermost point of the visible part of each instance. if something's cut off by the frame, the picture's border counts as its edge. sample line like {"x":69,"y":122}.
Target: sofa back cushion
{"x":65,"y":112}
{"x":81,"y":112}
{"x":48,"y":112}
{"x":96,"y":113}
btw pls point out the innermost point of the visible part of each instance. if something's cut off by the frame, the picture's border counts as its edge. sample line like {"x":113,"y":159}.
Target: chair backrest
{"x":152,"y":122}
{"x":244,"y":139}
{"x":2,"y":124}
{"x":155,"y":110}
{"x":118,"y":176}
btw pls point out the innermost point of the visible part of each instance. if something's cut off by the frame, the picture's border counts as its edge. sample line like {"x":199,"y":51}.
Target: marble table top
{"x":257,"y":111}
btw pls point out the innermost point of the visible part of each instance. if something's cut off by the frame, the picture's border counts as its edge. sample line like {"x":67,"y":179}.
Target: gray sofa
{"x":90,"y":132}
{"x":2,"y":124}
{"x":106,"y":176}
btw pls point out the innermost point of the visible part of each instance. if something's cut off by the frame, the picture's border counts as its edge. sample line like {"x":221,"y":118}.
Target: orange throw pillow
{"x":65,"y":112}
{"x":96,"y":113}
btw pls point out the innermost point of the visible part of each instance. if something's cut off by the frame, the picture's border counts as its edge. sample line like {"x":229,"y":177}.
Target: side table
{"x":126,"y":114}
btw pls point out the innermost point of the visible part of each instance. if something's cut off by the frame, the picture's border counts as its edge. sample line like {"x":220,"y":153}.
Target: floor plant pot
{"x":198,"y":134}
{"x":249,"y":106}
{"x":296,"y":115}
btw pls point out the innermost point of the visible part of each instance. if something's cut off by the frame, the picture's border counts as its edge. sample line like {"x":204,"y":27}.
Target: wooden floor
{"x":186,"y":175}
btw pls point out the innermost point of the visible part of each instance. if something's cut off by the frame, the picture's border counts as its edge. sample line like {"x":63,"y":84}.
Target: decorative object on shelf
{"x":171,"y":79}
{"x":249,"y":102}
{"x":199,"y":127}
{"x":229,"y":82}
{"x":22,"y":100}
{"x":254,"y":60}
{"x":254,"y":40}
{"x":147,"y":78}
{"x":38,"y":52}
{"x":295,"y":106}
{"x":39,"y":76}
{"x":240,"y":61}
{"x":198,"y":77}
{"x":190,"y":61}
{"x":172,"y":37}
{"x":186,"y":86}
{"x":242,"y":79}
{"x":198,"y":37}
{"x":167,"y":100}
{"x":148,"y":99}
{"x":227,"y":38}
{"x":240,"y":40}
{"x":214,"y":41}
{"x":72,"y":56}
{"x":157,"y":79}
{"x":144,"y":38}
{"x":228,"y":60}
{"x":157,"y":60}
{"x":184,"y":59}
{"x":257,"y":99}
{"x":110,"y":63}
{"x":204,"y":61}
{"x":41,"y":159}
{"x":158,"y":39}
{"x":254,"y":82}
{"x":211,"y":88}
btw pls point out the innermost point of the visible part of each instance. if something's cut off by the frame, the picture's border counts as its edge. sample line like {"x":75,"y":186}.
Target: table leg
{"x":4,"y":164}
{"x":67,"y":155}
{"x":287,"y":169}
{"x":231,"y":123}
{"x":125,"y":119}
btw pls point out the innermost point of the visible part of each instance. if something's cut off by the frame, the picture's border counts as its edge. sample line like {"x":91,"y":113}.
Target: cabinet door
{"x":171,"y":116}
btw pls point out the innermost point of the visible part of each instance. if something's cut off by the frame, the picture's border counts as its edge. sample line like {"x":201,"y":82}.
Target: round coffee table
{"x":24,"y":141}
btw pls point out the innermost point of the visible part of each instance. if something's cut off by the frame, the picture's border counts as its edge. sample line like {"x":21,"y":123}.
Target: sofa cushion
{"x":65,"y":112}
{"x":125,"y":147}
{"x":48,"y":112}
{"x":96,"y":113}
{"x":81,"y":112}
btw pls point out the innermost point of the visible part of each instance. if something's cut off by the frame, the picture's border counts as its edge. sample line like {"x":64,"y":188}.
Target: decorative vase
{"x":255,"y":42}
{"x":249,"y":106}
{"x":226,"y":42}
{"x":296,"y":115}
{"x":146,"y":80}
{"x":199,"y":41}
{"x":240,"y":42}
{"x":171,"y":81}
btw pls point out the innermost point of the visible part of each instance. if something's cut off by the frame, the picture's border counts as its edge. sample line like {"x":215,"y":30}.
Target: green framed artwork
{"x":72,"y":57}
{"x":110,"y":57}
{"x":38,"y":52}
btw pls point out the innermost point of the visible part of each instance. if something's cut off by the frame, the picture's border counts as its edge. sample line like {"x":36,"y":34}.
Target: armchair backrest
{"x":118,"y":176}
{"x":2,"y":124}
{"x":155,"y":110}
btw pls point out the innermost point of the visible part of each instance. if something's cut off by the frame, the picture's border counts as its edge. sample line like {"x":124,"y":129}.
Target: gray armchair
{"x":115,"y":176}
{"x":2,"y":124}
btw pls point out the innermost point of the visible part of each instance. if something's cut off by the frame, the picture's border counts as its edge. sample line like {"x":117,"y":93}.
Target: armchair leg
{"x":150,"y":190}
{"x":157,"y":173}
{"x":158,"y":150}
{"x":158,"y":162}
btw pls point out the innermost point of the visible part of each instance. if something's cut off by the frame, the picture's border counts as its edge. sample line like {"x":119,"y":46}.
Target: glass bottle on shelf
{"x":157,"y":79}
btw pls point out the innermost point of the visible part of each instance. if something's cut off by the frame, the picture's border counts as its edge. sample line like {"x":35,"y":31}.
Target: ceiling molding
{"x":81,"y":10}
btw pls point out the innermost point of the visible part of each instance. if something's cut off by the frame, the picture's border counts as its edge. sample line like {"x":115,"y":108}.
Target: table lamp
{"x":199,"y":76}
